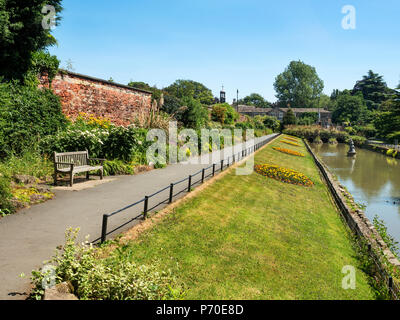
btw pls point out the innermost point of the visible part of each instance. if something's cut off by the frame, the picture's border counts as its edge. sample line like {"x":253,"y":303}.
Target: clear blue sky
{"x":242,"y":44}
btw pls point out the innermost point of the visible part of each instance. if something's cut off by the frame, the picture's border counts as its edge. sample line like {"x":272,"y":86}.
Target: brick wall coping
{"x":82,"y":76}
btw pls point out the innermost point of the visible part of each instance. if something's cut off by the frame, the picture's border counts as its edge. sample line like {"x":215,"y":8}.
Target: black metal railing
{"x":213,"y":170}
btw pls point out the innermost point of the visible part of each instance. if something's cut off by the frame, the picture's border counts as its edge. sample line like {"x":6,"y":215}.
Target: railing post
{"x":190,"y":183}
{"x":222,"y":165}
{"x":104,"y":229}
{"x":390,"y":282}
{"x":146,"y":207}
{"x":234,"y":158}
{"x":171,"y":192}
{"x":203,"y":175}
{"x":213,"y":173}
{"x":228,"y":163}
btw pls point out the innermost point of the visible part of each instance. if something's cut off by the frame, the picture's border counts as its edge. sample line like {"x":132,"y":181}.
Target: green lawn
{"x":250,"y":237}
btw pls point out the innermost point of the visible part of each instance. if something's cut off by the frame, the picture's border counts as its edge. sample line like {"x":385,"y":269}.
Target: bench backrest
{"x":79,"y":159}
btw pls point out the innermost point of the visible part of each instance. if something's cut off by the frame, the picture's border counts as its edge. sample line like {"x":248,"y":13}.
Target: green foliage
{"x":171,"y":104}
{"x":194,"y":115}
{"x":224,"y":113}
{"x":117,"y":167}
{"x":299,"y":85}
{"x":5,"y":196}
{"x":115,"y":277}
{"x":144,"y":86}
{"x":373,"y":89}
{"x":359,"y":141}
{"x":42,"y":63}
{"x":127,"y":144}
{"x":27,"y":114}
{"x":381,"y":227}
{"x":22,"y":34}
{"x":350,"y":109}
{"x":312,"y":132}
{"x":192,"y":89}
{"x":256,"y":100}
{"x":289,"y":118}
{"x":272,"y":123}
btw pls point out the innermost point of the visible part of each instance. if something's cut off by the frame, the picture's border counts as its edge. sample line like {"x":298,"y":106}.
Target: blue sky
{"x":241,"y":44}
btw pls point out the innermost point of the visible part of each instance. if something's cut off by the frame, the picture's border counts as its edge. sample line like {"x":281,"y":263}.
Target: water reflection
{"x":372,"y":178}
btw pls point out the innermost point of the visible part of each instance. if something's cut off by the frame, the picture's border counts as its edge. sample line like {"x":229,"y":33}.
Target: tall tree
{"x":350,"y":109}
{"x":298,"y":86}
{"x":191,"y":89}
{"x":289,"y":118}
{"x":22,"y":34}
{"x":373,"y":89}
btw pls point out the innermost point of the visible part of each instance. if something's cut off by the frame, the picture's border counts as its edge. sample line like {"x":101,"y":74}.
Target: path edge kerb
{"x":155,"y":218}
{"x":356,"y":220}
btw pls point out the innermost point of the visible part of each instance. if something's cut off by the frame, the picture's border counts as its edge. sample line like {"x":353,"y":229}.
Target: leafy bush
{"x":359,"y":141}
{"x":272,"y":123}
{"x":5,"y":196}
{"x":27,"y":114}
{"x":224,"y":113}
{"x":117,"y":167}
{"x":115,"y":277}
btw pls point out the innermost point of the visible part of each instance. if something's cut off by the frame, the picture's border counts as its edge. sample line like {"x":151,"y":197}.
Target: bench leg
{"x":87,"y":175}
{"x":101,"y":174}
{"x":71,"y":182}
{"x":55,"y":179}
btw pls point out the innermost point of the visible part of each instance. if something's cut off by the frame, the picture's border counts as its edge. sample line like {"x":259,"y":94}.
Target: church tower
{"x":222,"y":95}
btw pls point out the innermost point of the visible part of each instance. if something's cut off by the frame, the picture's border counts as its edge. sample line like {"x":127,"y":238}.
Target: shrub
{"x":27,"y":114}
{"x":115,"y":277}
{"x":117,"y":167}
{"x":359,"y":141}
{"x":224,"y":113}
{"x":272,"y":123}
{"x":5,"y":196}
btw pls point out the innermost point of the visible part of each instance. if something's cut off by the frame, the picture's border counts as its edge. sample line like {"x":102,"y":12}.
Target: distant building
{"x":324,"y":116}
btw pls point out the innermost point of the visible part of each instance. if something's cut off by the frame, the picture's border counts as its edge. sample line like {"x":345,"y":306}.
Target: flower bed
{"x":288,"y":151}
{"x":284,"y":175}
{"x":292,"y":139}
{"x":291,"y":143}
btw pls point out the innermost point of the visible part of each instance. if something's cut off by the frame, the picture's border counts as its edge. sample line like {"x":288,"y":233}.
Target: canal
{"x":372,"y":178}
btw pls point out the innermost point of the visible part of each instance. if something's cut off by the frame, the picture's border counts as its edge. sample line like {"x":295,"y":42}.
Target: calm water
{"x":372,"y":178}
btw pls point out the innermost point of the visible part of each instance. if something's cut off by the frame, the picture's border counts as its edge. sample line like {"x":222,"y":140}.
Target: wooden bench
{"x":75,"y":162}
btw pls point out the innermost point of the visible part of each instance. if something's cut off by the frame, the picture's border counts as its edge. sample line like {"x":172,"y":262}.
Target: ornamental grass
{"x":288,"y":151}
{"x":291,"y":143}
{"x":284,"y":175}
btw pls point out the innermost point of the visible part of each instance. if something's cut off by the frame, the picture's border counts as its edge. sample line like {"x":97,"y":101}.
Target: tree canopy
{"x":373,"y":89}
{"x":350,"y":108}
{"x":192,"y":89}
{"x":298,"y":86}
{"x":22,"y":34}
{"x":256,"y":100}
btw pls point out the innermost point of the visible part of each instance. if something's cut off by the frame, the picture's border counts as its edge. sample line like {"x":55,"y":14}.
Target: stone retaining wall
{"x":356,"y":218}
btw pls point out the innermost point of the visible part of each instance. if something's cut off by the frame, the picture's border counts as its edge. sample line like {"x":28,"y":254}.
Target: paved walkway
{"x":30,"y":237}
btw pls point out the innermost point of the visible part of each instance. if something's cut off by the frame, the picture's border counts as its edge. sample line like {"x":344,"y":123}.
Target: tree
{"x":289,"y":118}
{"x":350,"y":109}
{"x":298,"y":86}
{"x":373,"y":89}
{"x":272,"y":123}
{"x":144,"y":86}
{"x":256,"y":100}
{"x":224,"y":113}
{"x":192,"y":89}
{"x":388,"y":122}
{"x":22,"y":34}
{"x":193,"y":114}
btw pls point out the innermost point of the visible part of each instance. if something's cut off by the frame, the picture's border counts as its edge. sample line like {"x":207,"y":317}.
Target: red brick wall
{"x":98,"y":97}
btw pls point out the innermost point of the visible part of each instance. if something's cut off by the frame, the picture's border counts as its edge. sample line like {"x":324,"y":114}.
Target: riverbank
{"x":251,"y":237}
{"x":385,"y":262}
